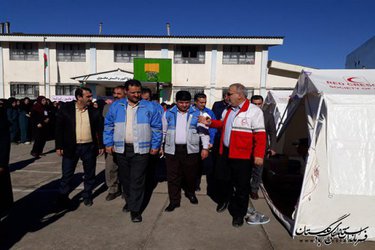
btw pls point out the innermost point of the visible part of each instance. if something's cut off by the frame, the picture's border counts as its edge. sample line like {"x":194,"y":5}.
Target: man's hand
{"x":154,"y":151}
{"x":204,"y":120}
{"x":204,"y":154}
{"x":258,"y":162}
{"x":109,"y":150}
{"x":100,"y":151}
{"x":161,"y":153}
{"x":39,"y":125}
{"x":59,"y":152}
{"x":272,"y":152}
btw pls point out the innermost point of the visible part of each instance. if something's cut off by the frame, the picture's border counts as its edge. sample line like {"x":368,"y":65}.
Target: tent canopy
{"x":335,"y":110}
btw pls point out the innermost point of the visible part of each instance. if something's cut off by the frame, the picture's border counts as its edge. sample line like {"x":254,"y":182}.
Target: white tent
{"x":276,"y":102}
{"x":335,"y":111}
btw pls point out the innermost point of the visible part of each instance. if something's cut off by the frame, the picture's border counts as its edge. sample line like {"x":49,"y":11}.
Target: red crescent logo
{"x":350,"y":79}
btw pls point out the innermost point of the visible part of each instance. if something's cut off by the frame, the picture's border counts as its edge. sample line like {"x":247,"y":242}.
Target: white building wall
{"x":183,"y":75}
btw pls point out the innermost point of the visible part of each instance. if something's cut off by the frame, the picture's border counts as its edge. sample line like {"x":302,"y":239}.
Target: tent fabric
{"x":339,"y":176}
{"x":278,"y":100}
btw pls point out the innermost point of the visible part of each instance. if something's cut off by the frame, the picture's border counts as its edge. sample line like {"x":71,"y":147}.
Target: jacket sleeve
{"x":99,"y":129}
{"x":212,"y":131}
{"x":259,"y":133}
{"x":109,"y":126}
{"x":156,"y":129}
{"x":59,"y":128}
{"x":271,"y":131}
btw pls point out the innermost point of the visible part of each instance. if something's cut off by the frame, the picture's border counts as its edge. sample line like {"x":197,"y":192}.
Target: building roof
{"x":150,"y":39}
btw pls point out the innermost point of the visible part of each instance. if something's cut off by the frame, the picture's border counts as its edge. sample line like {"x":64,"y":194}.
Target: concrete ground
{"x":35,"y":222}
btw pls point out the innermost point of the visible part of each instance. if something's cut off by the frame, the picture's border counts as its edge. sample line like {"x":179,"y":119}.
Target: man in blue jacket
{"x":133,"y":131}
{"x":200,"y":100}
{"x":181,"y":149}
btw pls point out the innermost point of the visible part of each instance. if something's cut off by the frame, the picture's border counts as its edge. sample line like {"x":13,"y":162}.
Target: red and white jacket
{"x":248,"y":135}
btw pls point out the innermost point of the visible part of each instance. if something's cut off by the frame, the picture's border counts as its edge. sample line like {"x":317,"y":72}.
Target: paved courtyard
{"x":36,"y":223}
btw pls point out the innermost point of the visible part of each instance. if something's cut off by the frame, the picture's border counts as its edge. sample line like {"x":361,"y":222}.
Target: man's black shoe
{"x":136,"y":217}
{"x":112,"y":196}
{"x":237,"y":221}
{"x":125,"y":209}
{"x":87,"y":202}
{"x":221,"y":207}
{"x":192,"y":198}
{"x":171,"y":207}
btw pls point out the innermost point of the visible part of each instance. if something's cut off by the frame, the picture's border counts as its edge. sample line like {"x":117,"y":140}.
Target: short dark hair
{"x":183,"y":95}
{"x":147,"y":90}
{"x":122,"y":87}
{"x":256,"y":97}
{"x":199,"y":95}
{"x":79,"y":91}
{"x":132,"y":82}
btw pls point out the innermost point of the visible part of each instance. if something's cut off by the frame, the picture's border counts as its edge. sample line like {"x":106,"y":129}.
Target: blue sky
{"x":318,"y":33}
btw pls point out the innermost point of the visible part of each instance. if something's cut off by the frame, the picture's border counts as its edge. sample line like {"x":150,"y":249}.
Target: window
{"x":192,"y":90}
{"x":127,"y":52}
{"x":24,"y":51}
{"x":21,"y":90}
{"x":65,"y":89}
{"x":71,"y":52}
{"x":238,"y":54}
{"x":194,"y":54}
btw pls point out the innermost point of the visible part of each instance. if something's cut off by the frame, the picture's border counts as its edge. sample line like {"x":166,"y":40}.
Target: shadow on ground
{"x":39,"y":209}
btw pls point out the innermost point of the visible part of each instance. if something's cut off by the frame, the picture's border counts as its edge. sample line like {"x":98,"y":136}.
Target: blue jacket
{"x":147,"y":127}
{"x":169,"y":131}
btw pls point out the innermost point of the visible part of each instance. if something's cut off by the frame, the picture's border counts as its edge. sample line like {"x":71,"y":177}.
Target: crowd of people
{"x":136,"y":135}
{"x":31,"y":120}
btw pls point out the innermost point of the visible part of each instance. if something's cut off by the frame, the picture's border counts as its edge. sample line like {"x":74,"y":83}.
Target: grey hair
{"x":240,"y":89}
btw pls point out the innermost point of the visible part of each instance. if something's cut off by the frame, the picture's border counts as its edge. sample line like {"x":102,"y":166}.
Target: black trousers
{"x":87,"y":153}
{"x":233,"y":178}
{"x":181,"y":170}
{"x":132,"y":174}
{"x":40,"y":138}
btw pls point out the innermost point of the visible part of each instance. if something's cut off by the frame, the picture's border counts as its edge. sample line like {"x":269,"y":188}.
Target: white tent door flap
{"x":351,"y":146}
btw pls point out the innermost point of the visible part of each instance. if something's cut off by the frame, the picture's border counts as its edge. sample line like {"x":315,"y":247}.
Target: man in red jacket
{"x":242,"y":137}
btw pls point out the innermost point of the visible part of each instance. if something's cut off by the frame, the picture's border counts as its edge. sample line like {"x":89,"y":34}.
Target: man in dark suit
{"x":219,"y":106}
{"x":269,"y":124}
{"x":79,"y":135}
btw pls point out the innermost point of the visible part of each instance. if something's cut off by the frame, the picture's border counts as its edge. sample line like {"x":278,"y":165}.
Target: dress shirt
{"x":83,"y":129}
{"x":130,"y":112}
{"x":181,"y":127}
{"x":229,"y":123}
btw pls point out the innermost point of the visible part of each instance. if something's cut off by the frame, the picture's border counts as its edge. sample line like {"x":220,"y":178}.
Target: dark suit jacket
{"x":218,"y":108}
{"x":66,"y":128}
{"x":269,"y":124}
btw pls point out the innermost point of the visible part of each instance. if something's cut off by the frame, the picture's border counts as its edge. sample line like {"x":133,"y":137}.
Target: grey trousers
{"x":111,"y":173}
{"x":256,"y":178}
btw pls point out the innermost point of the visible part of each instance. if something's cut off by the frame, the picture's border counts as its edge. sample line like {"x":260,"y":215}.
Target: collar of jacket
{"x":245,"y":106}
{"x":124,"y":102}
{"x":174,"y":110}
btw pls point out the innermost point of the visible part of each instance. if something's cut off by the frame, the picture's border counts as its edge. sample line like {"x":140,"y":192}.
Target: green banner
{"x":153,"y":70}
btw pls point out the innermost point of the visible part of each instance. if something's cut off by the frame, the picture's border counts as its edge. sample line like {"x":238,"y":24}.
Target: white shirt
{"x":181,"y":128}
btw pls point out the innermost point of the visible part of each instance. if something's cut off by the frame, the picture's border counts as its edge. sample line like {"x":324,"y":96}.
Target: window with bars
{"x":127,"y":52}
{"x":24,"y":51}
{"x":65,"y":89}
{"x":193,"y":54}
{"x":236,"y":54}
{"x":71,"y":52}
{"x":21,"y":90}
